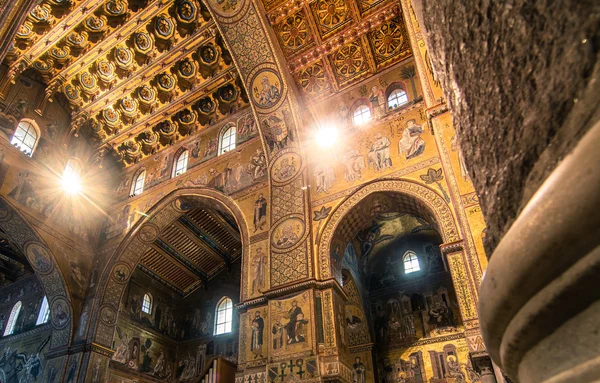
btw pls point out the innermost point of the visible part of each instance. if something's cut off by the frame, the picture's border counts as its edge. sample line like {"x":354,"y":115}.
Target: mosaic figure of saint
{"x":411,"y":143}
{"x":359,"y":371}
{"x":324,"y":177}
{"x":257,"y":325}
{"x":377,"y":98}
{"x":288,"y":237}
{"x":269,"y":94}
{"x":379,"y":155}
{"x":258,"y":267}
{"x":354,"y":163}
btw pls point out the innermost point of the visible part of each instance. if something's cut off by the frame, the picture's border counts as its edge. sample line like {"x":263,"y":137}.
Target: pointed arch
{"x":46,"y":268}
{"x":129,"y":253}
{"x":424,"y":198}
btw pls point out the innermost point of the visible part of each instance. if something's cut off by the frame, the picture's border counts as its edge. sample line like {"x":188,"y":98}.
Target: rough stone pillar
{"x":540,"y":318}
{"x":520,"y":108}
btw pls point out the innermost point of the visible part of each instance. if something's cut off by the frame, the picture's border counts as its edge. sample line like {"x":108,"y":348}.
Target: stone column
{"x":540,"y":301}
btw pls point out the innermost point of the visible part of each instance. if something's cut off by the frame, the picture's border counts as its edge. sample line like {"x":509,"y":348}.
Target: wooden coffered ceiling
{"x":331,"y":44}
{"x":138,"y":75}
{"x":193,"y":249}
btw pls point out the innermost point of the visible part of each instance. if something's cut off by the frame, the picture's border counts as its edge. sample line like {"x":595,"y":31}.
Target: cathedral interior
{"x":275,"y":191}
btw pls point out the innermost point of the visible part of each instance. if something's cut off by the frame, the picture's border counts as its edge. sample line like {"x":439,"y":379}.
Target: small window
{"x":137,"y":187}
{"x":224,"y":316}
{"x":397,"y":98}
{"x":147,"y":304}
{"x":72,"y":176}
{"x":44,"y":313}
{"x":12,"y":319}
{"x":228,"y":140}
{"x":25,"y":137}
{"x":362,"y":115}
{"x":181,"y":164}
{"x":411,"y":262}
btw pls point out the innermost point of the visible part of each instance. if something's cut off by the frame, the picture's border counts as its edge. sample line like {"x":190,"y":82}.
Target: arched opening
{"x":385,"y":250}
{"x":29,"y":274}
{"x":181,"y":162}
{"x":26,"y":136}
{"x":361,"y":115}
{"x":137,"y":185}
{"x":227,"y":139}
{"x":177,"y":307}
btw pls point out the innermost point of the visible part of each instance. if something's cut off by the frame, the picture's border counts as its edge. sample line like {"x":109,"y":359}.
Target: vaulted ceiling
{"x":139,"y":75}
{"x":193,"y":249}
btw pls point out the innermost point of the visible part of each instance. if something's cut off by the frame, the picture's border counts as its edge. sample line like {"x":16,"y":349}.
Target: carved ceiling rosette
{"x":147,"y":98}
{"x":41,"y":14}
{"x":389,"y":41}
{"x":96,"y":130}
{"x":330,"y":16}
{"x":111,"y":119}
{"x":187,"y":72}
{"x":143,"y":43}
{"x":131,"y":150}
{"x":128,"y":108}
{"x":96,"y":24}
{"x":88,"y":84}
{"x":166,"y":85}
{"x":228,"y":95}
{"x":115,"y":8}
{"x":167,"y":131}
{"x":294,"y":33}
{"x":105,"y":71}
{"x":164,"y":30}
{"x":349,"y":63}
{"x":77,"y":41}
{"x":186,"y":119}
{"x":186,"y":12}
{"x":209,"y":56}
{"x":313,"y":80}
{"x":149,"y":141}
{"x":73,"y":95}
{"x":25,"y":30}
{"x":207,"y":108}
{"x":123,"y":58}
{"x":44,"y":67}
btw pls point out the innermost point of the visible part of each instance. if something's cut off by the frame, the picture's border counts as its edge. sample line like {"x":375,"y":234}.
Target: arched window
{"x":223,"y":316}
{"x":397,"y":98}
{"x":411,"y":262}
{"x":44,"y":313}
{"x":72,"y":176}
{"x":147,"y":304}
{"x":137,"y":186}
{"x":228,"y":140}
{"x":362,"y":115}
{"x":26,"y":136}
{"x":181,"y":163}
{"x":12,"y":319}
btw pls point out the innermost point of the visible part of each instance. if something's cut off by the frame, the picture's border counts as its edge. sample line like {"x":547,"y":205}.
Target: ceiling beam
{"x":166,"y":250}
{"x":228,"y":224}
{"x":206,"y":239}
{"x":159,"y":279}
{"x":199,"y":241}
